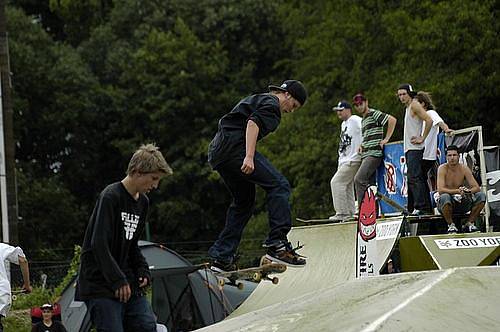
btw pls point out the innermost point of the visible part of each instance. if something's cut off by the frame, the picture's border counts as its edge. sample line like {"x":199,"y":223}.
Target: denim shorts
{"x":464,"y":205}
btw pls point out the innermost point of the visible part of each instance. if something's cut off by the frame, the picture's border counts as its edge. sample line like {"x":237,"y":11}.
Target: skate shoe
{"x":469,"y":228}
{"x":285,"y":254}
{"x":218,"y":266}
{"x":339,"y":217}
{"x":452,"y":229}
{"x":419,"y":213}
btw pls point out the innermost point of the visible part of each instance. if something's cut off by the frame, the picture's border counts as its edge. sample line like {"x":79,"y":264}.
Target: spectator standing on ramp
{"x":14,"y":255}
{"x":454,"y":196}
{"x":372,"y":146}
{"x":232,"y":153}
{"x":349,"y":160}
{"x":429,"y":161}
{"x":113,"y":272}
{"x":416,"y":128}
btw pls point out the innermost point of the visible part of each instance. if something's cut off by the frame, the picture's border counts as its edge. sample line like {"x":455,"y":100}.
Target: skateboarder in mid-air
{"x":232,"y":153}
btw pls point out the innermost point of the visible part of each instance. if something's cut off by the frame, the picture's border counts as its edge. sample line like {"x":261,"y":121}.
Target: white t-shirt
{"x":413,"y":126}
{"x":11,"y":254}
{"x":430,"y":152}
{"x":350,"y":140}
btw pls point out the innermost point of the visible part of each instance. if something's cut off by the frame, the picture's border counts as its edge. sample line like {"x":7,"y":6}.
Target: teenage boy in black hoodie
{"x":232,"y":153}
{"x":113,"y":272}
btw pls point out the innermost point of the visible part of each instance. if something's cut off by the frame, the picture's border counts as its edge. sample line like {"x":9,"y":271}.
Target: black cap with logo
{"x":409,"y":89}
{"x":295,"y":88}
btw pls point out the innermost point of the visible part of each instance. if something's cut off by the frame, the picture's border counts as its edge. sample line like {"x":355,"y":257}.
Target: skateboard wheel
{"x":14,"y":297}
{"x":221,"y":282}
{"x":257,"y":276}
{"x":240,"y":286}
{"x":275,"y":280}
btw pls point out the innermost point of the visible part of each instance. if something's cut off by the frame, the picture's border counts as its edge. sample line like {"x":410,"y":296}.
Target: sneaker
{"x":285,"y":254}
{"x":339,"y":217}
{"x":349,"y":218}
{"x":452,"y":229}
{"x":469,"y":228}
{"x":417,"y":212}
{"x":221,"y":267}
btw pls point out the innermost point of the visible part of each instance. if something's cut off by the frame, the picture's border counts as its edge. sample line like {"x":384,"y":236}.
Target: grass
{"x":17,"y":321}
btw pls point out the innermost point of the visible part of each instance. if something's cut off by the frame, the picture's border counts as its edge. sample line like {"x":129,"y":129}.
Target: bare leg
{"x":474,"y":213}
{"x":447,"y":212}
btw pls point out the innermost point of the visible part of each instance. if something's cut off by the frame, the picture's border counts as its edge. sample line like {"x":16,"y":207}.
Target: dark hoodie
{"x":110,"y":255}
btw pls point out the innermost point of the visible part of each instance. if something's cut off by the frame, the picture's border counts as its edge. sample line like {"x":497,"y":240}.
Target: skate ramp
{"x":433,"y":252}
{"x":388,"y":232}
{"x":457,"y":299}
{"x":331,"y":259}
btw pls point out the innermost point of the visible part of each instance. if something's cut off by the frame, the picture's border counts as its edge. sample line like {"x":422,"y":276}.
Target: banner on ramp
{"x":366,"y":257}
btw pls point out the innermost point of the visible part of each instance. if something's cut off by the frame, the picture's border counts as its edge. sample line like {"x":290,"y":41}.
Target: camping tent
{"x":184,"y":296}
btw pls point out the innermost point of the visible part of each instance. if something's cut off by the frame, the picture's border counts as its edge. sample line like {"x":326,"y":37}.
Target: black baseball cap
{"x":295,"y":88}
{"x":342,"y":105}
{"x":409,"y":89}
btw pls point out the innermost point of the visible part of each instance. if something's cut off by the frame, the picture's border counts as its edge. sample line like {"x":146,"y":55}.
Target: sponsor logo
{"x":388,"y":230}
{"x":492,"y":179}
{"x":130,"y":222}
{"x":390,"y":178}
{"x":365,"y":267}
{"x":468,"y":243}
{"x":403,"y":168}
{"x":368,"y":216}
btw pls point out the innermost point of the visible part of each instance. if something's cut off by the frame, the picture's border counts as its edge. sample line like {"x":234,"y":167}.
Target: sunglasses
{"x":46,"y":310}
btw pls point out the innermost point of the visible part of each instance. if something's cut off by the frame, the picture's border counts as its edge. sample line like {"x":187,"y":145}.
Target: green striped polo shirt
{"x":372,"y":127}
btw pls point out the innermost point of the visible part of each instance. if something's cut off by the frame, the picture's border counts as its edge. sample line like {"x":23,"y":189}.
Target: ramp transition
{"x":331,"y":260}
{"x":457,"y":299}
{"x":331,"y":256}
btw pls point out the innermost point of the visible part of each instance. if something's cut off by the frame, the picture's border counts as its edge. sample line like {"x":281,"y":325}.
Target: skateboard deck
{"x":404,"y":212}
{"x":394,"y":204}
{"x":311,"y":221}
{"x":16,"y":293}
{"x":256,"y":274}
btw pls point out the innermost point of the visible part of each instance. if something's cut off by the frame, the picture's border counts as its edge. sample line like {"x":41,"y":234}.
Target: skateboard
{"x":325,"y":221}
{"x":252,"y":274}
{"x":16,"y":293}
{"x":394,"y":204}
{"x":404,"y":211}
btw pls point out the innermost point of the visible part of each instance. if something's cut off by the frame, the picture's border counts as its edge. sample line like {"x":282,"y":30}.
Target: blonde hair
{"x":148,"y":159}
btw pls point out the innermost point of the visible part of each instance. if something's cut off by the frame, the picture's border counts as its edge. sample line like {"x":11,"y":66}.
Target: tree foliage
{"x":94,"y":79}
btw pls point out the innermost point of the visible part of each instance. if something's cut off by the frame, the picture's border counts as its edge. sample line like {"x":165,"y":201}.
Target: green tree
{"x":57,"y":139}
{"x":94,"y":79}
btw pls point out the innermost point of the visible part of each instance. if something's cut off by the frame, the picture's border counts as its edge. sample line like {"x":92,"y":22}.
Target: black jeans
{"x":418,"y":191}
{"x":242,"y":189}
